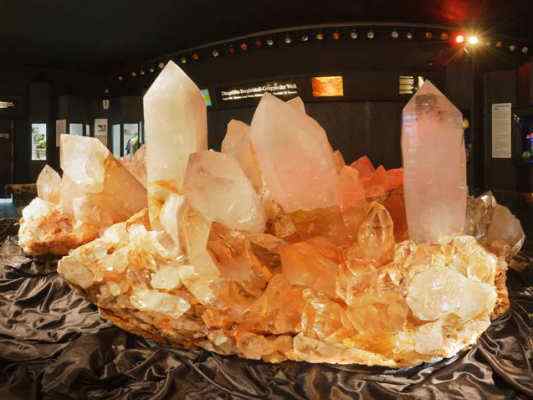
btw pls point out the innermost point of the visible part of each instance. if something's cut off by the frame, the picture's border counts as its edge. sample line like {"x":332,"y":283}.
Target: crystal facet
{"x":294,"y":155}
{"x":434,"y":166}
{"x":237,"y":143}
{"x":218,"y":188}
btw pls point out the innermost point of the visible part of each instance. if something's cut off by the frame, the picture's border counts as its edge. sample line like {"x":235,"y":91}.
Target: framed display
{"x":100,"y":130}
{"x":38,"y":141}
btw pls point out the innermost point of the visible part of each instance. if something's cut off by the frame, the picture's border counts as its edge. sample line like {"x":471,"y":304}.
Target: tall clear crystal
{"x":176,"y":126}
{"x":434,"y":166}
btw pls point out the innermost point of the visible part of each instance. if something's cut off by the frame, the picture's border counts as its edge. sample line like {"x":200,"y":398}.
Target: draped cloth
{"x":54,"y":345}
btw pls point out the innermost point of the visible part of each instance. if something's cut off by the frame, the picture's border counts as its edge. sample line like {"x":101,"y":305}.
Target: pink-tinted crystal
{"x":237,"y":144}
{"x":434,"y":166}
{"x":294,"y":155}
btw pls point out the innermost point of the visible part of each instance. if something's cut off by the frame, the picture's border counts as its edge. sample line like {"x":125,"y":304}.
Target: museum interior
{"x":265,"y":268}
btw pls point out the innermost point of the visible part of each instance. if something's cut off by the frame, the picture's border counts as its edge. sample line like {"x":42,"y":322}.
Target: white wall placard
{"x":100,"y":130}
{"x":501,"y":130}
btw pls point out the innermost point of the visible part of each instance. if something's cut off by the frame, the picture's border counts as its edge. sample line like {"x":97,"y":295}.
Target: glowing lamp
{"x":459,"y":39}
{"x":473,"y":40}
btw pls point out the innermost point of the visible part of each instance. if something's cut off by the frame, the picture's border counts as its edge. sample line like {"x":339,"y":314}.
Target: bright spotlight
{"x":459,"y":39}
{"x":473,"y":40}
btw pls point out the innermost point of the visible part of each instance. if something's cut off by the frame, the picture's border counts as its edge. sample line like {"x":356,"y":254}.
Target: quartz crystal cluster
{"x":77,"y":207}
{"x":276,"y":249}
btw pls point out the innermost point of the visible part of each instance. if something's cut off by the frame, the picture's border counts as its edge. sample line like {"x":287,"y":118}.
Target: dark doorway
{"x":6,"y":154}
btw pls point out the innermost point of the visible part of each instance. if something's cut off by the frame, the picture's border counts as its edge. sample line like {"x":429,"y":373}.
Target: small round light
{"x":473,"y":40}
{"x":215,"y":53}
{"x":142,"y":72}
{"x":288,"y":40}
{"x":395,"y":34}
{"x":370,"y":34}
{"x":499,"y":43}
{"x":120,"y":78}
{"x":195,"y":56}
{"x":134,"y":74}
{"x":353,"y":35}
{"x":444,"y":36}
{"x":319,"y":36}
{"x":304,"y":38}
{"x":525,"y":50}
{"x":244,"y":46}
{"x":161,"y":65}
{"x":512,"y":47}
{"x":409,"y":35}
{"x":336,"y":35}
{"x":270,"y":42}
{"x":459,"y":39}
{"x":183,"y":60}
{"x":151,"y":70}
{"x":106,"y":91}
{"x":428,"y":35}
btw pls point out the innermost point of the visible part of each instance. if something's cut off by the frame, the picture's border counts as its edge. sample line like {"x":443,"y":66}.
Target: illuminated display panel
{"x":327,"y":86}
{"x":278,"y":88}
{"x":207,"y":97}
{"x":38,"y":142}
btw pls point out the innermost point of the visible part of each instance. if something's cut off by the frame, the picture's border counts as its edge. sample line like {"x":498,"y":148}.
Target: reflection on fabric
{"x":54,"y":345}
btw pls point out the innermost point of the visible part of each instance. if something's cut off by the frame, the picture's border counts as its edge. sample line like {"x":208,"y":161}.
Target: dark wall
{"x":356,"y":128}
{"x":39,"y":91}
{"x":499,"y":87}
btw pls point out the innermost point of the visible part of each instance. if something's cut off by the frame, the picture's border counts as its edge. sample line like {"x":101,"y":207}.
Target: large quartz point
{"x":434,"y":166}
{"x":217,"y":187}
{"x":175,"y":127}
{"x":294,"y":155}
{"x":76,"y":208}
{"x":237,"y":143}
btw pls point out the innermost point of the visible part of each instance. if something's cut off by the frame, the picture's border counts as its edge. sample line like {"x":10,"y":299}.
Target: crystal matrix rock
{"x":176,"y":126}
{"x":76,"y":208}
{"x":294,"y":156}
{"x":434,"y":166}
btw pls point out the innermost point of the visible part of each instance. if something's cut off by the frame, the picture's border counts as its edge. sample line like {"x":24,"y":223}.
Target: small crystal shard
{"x":176,"y":126}
{"x":237,"y":143}
{"x":49,"y":185}
{"x":434,"y":166}
{"x":217,"y":187}
{"x":294,"y":156}
{"x":364,"y":166}
{"x":154,"y":301}
{"x":350,"y":191}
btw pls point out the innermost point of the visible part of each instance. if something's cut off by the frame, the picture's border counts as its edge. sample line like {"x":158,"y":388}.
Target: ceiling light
{"x":473,"y":40}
